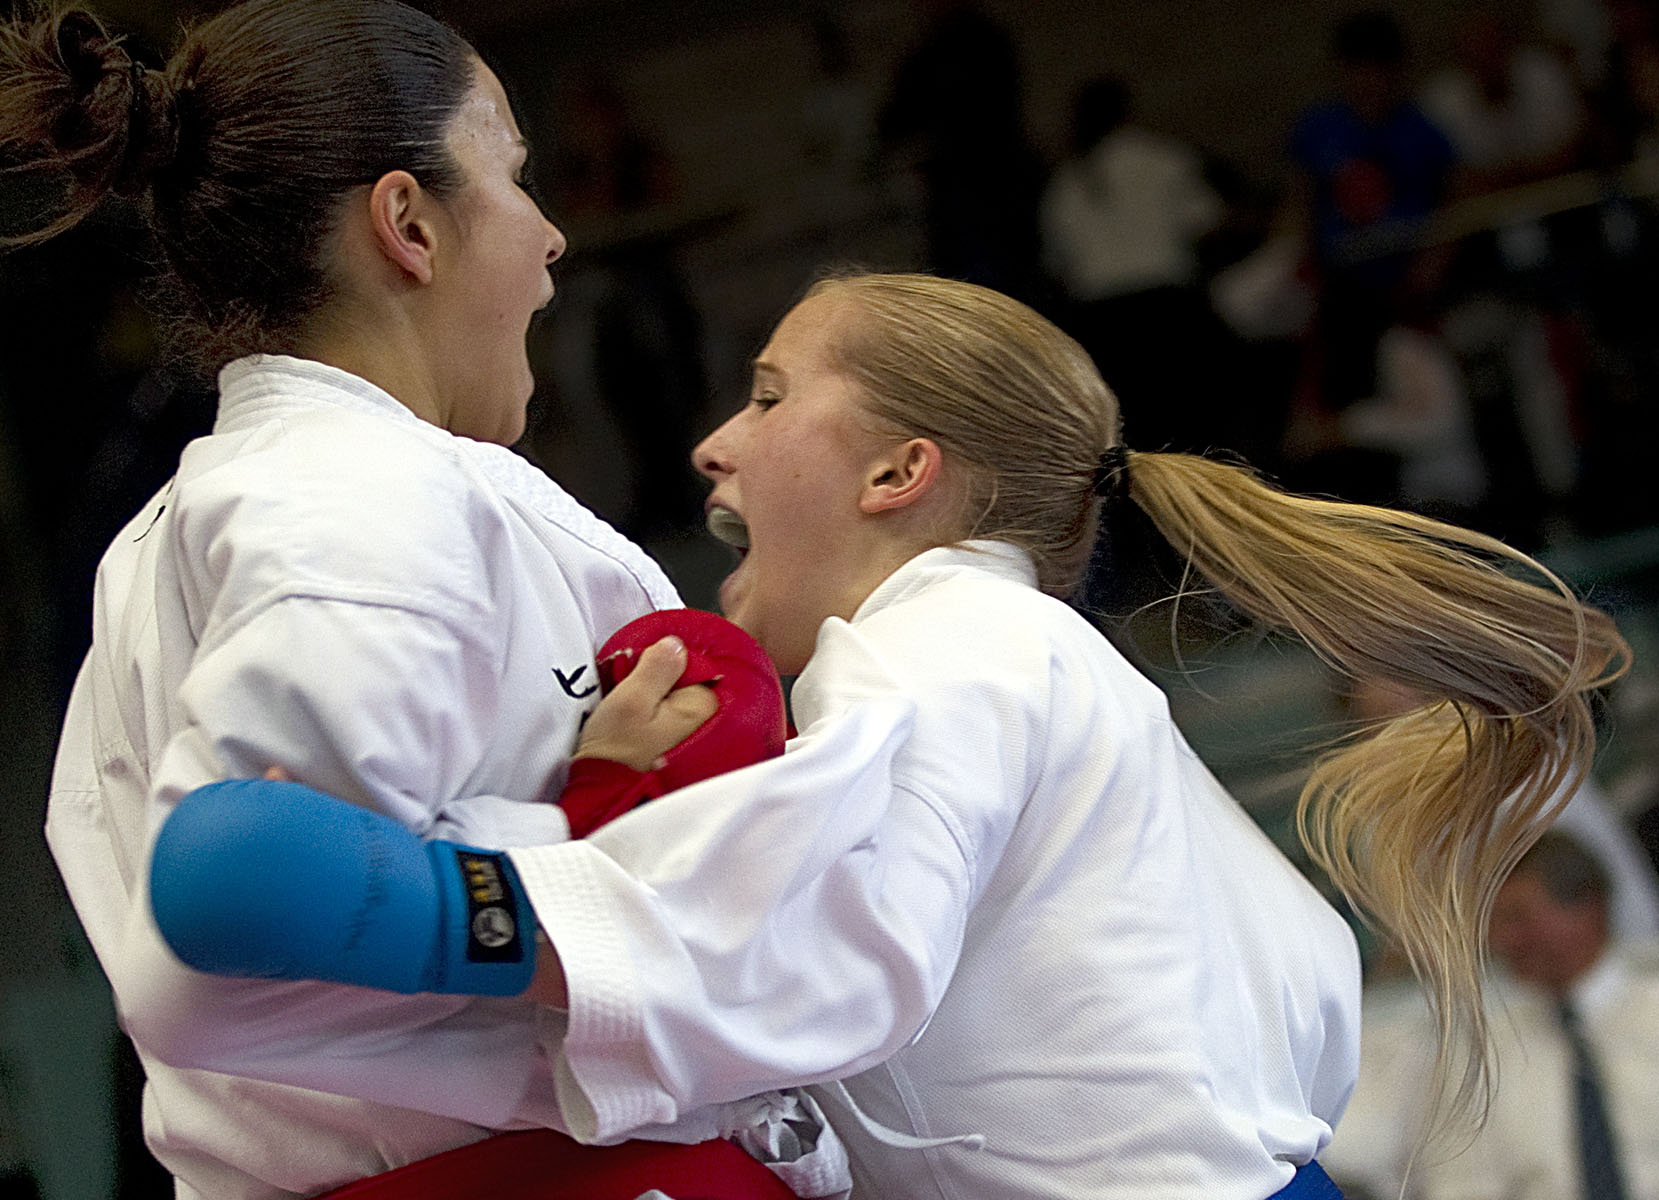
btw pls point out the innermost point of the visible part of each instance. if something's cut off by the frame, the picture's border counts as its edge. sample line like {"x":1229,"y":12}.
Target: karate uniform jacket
{"x":991,"y":888}
{"x":393,"y":614}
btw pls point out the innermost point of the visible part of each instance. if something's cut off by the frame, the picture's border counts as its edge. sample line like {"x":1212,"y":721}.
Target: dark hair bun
{"x":118,"y":123}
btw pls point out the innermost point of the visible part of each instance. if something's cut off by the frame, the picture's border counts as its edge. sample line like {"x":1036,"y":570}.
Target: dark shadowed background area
{"x":1159,"y":176}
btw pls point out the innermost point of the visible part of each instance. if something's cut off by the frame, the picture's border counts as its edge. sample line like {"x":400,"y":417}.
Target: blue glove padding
{"x":268,"y":880}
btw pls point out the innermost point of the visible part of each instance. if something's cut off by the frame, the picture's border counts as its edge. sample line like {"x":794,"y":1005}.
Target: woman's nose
{"x":711,"y":456}
{"x":555,"y":242}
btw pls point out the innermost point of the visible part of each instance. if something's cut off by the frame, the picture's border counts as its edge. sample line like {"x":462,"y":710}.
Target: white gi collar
{"x":979,"y":556}
{"x":261,"y":387}
{"x":250,"y":388}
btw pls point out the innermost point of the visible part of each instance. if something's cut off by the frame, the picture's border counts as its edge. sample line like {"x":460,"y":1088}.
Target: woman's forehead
{"x":809,"y":329}
{"x":485,"y":116}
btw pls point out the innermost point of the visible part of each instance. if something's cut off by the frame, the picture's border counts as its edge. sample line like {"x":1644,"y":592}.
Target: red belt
{"x":539,"y":1164}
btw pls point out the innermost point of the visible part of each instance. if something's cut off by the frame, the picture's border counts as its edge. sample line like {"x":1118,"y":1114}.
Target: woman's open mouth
{"x":726,"y":525}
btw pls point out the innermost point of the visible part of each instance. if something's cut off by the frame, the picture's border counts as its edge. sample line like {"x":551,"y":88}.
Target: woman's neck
{"x":388,"y":355}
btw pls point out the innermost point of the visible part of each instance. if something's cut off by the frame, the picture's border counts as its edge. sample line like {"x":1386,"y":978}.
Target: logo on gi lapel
{"x":570,"y":683}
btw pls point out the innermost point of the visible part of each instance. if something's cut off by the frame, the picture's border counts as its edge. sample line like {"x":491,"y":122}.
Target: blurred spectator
{"x":1578,"y":1046}
{"x":1512,"y":112}
{"x":1420,"y":413}
{"x":1123,"y":214}
{"x":1554,"y":939}
{"x":1371,"y":167}
{"x":1121,"y":219}
{"x":1620,"y":298}
{"x":1511,"y":109}
{"x":957,"y":112}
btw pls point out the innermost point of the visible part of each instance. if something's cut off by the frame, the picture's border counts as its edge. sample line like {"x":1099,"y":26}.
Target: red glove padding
{"x":749,"y":723}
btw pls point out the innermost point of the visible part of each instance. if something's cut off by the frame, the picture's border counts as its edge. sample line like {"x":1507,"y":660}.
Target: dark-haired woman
{"x":351,"y":576}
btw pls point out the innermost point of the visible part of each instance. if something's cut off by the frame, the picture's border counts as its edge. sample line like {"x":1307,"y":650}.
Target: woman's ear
{"x":901,"y":476}
{"x":401,"y":221}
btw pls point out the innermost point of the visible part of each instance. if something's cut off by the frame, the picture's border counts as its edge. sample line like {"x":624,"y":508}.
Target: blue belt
{"x":1309,"y":1183}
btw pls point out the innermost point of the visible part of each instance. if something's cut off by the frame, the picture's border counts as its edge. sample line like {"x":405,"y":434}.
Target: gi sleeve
{"x":788,"y":923}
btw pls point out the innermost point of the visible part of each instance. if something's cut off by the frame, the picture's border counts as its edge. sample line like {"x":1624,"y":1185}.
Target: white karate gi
{"x":398,"y":616}
{"x":991,"y":887}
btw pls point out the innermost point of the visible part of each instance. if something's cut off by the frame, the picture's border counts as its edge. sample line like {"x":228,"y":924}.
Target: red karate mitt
{"x":748,"y":725}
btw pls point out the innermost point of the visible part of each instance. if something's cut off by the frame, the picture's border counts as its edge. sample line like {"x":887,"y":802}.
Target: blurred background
{"x":1400,"y":255}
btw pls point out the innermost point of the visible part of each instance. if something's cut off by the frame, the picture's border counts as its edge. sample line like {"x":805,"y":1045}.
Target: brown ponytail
{"x":1417,"y":820}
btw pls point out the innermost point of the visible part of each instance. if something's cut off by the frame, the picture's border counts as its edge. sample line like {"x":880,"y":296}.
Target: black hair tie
{"x":130,"y":174}
{"x":152,"y":129}
{"x":1111,"y":473}
{"x":140,"y":94}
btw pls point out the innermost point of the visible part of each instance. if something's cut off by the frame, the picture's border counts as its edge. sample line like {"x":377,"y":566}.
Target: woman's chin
{"x":734,"y":607}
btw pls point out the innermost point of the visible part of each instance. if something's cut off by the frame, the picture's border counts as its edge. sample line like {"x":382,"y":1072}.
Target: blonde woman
{"x":989,"y":888}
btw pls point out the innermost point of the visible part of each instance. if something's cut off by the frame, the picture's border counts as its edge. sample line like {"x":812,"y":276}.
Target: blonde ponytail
{"x":1417,"y":820}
